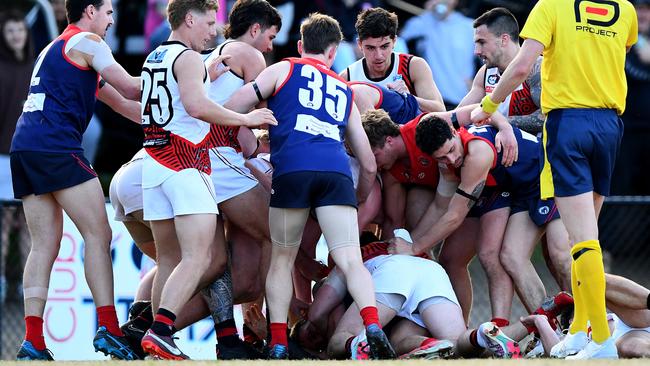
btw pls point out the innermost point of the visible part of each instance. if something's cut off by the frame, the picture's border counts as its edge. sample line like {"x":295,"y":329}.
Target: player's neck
{"x":509,"y":55}
{"x":320,"y":57}
{"x":400,"y":148}
{"x":180,"y":36}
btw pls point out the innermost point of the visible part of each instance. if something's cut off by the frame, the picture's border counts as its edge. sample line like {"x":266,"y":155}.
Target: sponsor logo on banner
{"x":70,"y":317}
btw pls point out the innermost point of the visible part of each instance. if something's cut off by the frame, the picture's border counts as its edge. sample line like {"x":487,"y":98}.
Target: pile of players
{"x":231,"y":218}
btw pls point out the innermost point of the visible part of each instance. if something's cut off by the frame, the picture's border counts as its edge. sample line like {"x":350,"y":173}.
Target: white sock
{"x":481,"y":338}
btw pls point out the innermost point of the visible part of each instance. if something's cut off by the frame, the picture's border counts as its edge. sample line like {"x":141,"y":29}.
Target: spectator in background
{"x":444,"y":38}
{"x":16,"y":62}
{"x":58,"y":6}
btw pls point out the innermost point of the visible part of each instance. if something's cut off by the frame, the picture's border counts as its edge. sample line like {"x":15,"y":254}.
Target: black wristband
{"x":466,"y":195}
{"x":454,"y":120}
{"x":102,"y":82}
{"x":257,"y":91}
{"x":648,"y":302}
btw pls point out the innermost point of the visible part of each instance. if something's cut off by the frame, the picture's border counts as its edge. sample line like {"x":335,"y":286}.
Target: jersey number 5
{"x":156,"y":98}
{"x":336,"y":100}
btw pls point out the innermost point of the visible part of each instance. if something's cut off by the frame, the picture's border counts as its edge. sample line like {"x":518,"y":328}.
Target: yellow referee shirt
{"x":585,"y":43}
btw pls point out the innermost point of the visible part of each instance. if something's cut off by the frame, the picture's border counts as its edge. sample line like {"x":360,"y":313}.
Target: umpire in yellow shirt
{"x":583,"y":93}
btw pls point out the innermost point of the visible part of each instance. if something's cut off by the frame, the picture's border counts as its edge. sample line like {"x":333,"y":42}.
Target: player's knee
{"x":634,"y":347}
{"x":509,"y":261}
{"x":489,"y":258}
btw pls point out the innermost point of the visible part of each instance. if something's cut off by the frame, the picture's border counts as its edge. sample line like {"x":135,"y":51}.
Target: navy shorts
{"x":312,"y":189}
{"x":491,"y":199}
{"x":581,"y":146}
{"x":34,"y":172}
{"x":540,"y":211}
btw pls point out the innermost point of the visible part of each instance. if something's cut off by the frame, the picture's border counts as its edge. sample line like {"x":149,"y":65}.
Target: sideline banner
{"x":70,"y":317}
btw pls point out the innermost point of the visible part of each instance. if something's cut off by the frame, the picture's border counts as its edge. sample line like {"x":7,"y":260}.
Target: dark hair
{"x":75,"y":8}
{"x":431,"y":133}
{"x":376,"y":23}
{"x":245,"y":13}
{"x":318,"y":32}
{"x":5,"y":51}
{"x":378,"y":126}
{"x":178,"y":9}
{"x":499,"y":21}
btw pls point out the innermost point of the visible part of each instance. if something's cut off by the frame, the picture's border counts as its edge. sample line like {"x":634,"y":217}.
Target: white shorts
{"x":262,"y":163}
{"x":125,"y":191}
{"x":184,"y":193}
{"x":622,"y":329}
{"x":229,"y":174}
{"x":417,"y":279}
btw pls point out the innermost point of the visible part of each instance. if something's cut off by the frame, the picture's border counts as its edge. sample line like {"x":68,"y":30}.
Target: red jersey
{"x":420,"y":168}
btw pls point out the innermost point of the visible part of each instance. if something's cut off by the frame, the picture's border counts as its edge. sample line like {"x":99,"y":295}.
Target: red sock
{"x":34,"y":332}
{"x":107,"y":317}
{"x":427,"y":342}
{"x":500,"y":322}
{"x":279,"y":334}
{"x":370,"y":316}
{"x":473,"y":339}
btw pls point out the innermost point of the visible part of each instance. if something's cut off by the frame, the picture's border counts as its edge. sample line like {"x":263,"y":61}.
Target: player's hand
{"x":479,"y":116}
{"x":259,"y":117}
{"x":505,"y":141}
{"x":400,"y":246}
{"x":531,"y":320}
{"x":398,"y":86}
{"x":217,"y":68}
{"x":256,"y":321}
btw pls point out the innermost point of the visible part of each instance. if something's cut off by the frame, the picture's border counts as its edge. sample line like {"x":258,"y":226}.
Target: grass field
{"x":472,"y":362}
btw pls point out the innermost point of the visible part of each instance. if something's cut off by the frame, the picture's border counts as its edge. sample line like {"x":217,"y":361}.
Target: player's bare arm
{"x":533,"y":122}
{"x":474,"y":172}
{"x":394,"y":202}
{"x":126,"y":107}
{"x":266,"y":82}
{"x":93,"y":52}
{"x":356,"y":138}
{"x":477,"y":92}
{"x":426,"y":91}
{"x":365,"y":97}
{"x":447,"y":185}
{"x":515,"y":74}
{"x":190,"y":73}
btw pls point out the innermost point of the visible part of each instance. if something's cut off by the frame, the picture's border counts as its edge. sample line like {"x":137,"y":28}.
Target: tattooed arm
{"x":533,"y":122}
{"x":473,"y":175}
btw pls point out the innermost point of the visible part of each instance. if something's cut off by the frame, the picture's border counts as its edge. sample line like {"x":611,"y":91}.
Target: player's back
{"x":312,"y":107}
{"x":401,"y":108}
{"x":61,"y":100}
{"x":523,"y":174}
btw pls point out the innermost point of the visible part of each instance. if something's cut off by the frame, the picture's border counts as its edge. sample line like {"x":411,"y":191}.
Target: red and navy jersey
{"x":312,"y":107}
{"x":420,"y":168}
{"x":400,"y":107}
{"x":60,"y":103}
{"x":521,"y":177}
